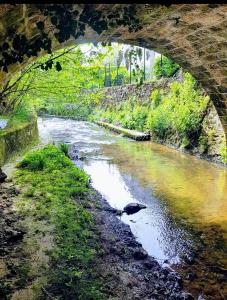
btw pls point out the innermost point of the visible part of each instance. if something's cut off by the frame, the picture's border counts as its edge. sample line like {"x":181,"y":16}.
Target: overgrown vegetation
{"x":165,"y":67}
{"x":23,"y":113}
{"x":223,"y":150}
{"x":58,"y":83}
{"x":73,"y":92}
{"x":178,"y":110}
{"x":57,"y":192}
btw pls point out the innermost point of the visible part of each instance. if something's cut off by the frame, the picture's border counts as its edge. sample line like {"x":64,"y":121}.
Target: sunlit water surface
{"x":180,"y":191}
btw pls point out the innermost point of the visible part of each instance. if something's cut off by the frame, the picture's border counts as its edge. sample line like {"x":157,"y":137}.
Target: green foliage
{"x":156,"y":97}
{"x":203,"y":143}
{"x":62,"y":195}
{"x":130,"y":114}
{"x":21,"y":114}
{"x":158,"y":120}
{"x":47,"y":158}
{"x":223,"y":151}
{"x":177,"y":110}
{"x":205,"y":140}
{"x":164,"y":67}
{"x":52,"y":91}
{"x":185,"y":142}
{"x":64,"y":148}
{"x":180,"y":110}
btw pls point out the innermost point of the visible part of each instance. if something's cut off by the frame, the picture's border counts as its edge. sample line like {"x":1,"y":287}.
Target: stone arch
{"x":193,"y":35}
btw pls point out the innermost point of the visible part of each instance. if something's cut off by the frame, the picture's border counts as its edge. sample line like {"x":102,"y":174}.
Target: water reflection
{"x":186,"y":197}
{"x":151,"y":226}
{"x":192,"y":187}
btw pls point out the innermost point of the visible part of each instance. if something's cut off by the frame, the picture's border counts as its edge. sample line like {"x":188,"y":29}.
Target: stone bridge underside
{"x":193,"y":35}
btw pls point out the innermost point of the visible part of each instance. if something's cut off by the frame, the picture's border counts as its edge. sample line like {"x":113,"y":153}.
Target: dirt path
{"x":11,"y":236}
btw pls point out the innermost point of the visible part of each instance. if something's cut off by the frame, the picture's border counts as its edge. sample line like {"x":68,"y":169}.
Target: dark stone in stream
{"x":74,"y":153}
{"x":133,"y":208}
{"x":3,"y":176}
{"x":189,"y":258}
{"x":133,"y":243}
{"x":140,"y":253}
{"x":82,"y":158}
{"x":150,"y":264}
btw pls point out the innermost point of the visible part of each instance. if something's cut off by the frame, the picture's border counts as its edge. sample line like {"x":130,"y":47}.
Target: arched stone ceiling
{"x":193,"y":35}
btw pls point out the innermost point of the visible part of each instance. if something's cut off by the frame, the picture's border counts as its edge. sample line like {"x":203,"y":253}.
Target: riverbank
{"x":175,"y":112}
{"x":140,"y":136}
{"x":79,"y":249}
{"x":216,"y":160}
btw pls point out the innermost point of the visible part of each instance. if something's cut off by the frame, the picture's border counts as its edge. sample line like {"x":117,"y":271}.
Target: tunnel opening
{"x":174,"y":107}
{"x":92,"y":82}
{"x":178,"y":31}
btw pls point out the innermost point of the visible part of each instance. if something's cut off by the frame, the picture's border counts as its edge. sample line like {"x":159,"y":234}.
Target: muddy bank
{"x":123,"y":266}
{"x":11,"y":236}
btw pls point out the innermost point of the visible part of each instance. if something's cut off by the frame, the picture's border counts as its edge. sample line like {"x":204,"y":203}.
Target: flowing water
{"x":185,"y":222}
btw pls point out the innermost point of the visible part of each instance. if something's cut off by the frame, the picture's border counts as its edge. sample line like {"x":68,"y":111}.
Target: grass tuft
{"x":60,"y":190}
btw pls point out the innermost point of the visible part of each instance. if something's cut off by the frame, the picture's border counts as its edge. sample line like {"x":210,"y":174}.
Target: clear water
{"x":184,"y":195}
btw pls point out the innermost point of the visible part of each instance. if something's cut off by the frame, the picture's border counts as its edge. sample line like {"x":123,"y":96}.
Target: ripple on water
{"x":186,"y":215}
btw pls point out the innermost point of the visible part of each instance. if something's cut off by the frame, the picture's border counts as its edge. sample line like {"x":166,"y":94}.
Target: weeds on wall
{"x":223,"y":151}
{"x":165,"y":67}
{"x":177,"y":110}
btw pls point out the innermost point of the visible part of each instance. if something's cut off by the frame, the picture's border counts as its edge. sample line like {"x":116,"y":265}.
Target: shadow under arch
{"x":193,"y":35}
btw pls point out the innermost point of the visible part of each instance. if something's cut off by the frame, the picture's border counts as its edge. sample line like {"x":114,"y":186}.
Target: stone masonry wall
{"x":212,"y":128}
{"x":16,"y":139}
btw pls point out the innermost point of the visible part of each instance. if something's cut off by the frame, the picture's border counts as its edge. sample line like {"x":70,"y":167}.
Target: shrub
{"x":159,"y":121}
{"x":223,"y":151}
{"x":164,"y":67}
{"x":32,"y":162}
{"x":177,"y":110}
{"x":156,"y":98}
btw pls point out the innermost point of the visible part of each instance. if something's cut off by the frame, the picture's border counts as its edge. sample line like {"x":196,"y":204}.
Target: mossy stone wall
{"x":17,"y":138}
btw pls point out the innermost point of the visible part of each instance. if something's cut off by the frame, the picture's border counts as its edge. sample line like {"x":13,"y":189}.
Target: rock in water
{"x":133,"y":208}
{"x":2,"y":176}
{"x":73,"y":152}
{"x":140,"y":254}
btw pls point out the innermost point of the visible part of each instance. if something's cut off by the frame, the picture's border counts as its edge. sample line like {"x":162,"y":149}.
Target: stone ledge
{"x":17,"y":138}
{"x":136,"y":135}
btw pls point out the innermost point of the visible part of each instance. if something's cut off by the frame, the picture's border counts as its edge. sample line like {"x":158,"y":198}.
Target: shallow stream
{"x":185,"y":222}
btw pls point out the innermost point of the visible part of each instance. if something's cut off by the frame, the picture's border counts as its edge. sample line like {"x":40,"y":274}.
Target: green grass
{"x":22,"y":114}
{"x":59,"y":191}
{"x":17,"y":119}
